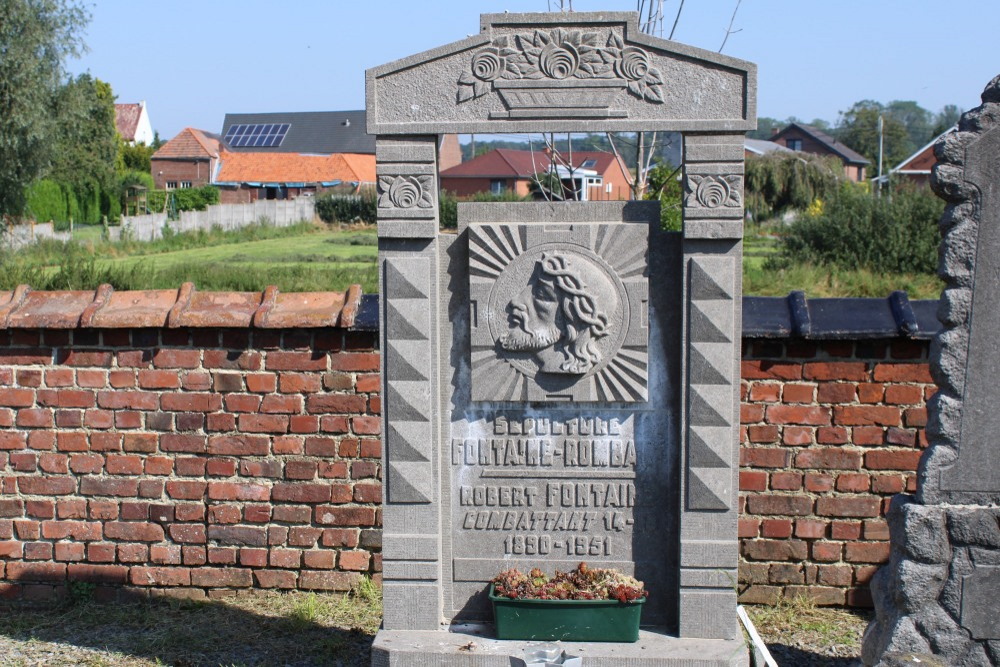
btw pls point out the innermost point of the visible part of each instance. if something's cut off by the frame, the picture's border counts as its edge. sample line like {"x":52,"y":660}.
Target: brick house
{"x":189,"y":160}
{"x":132,"y":123}
{"x":808,"y":139}
{"x":596,"y":175}
{"x":917,"y":168}
{"x":246,"y":177}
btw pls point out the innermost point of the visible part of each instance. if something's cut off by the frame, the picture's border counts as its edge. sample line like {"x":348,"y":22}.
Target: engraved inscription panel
{"x":551,"y":489}
{"x":558,"y":312}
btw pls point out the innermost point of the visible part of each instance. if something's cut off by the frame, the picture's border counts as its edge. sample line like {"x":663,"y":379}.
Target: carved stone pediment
{"x":561,"y":72}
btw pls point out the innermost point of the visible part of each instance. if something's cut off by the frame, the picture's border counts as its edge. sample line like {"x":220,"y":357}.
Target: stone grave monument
{"x":560,"y":379}
{"x":940,"y":592}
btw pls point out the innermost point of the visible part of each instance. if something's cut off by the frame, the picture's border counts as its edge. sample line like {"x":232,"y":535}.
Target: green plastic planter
{"x":567,"y":620}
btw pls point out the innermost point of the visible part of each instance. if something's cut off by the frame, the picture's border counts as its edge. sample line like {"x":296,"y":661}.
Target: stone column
{"x":713,"y":232}
{"x":407,"y":255}
{"x":940,"y":592}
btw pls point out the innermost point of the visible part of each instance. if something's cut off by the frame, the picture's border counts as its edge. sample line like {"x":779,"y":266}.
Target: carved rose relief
{"x":405,"y":191}
{"x":710,"y":191}
{"x":558,"y":55}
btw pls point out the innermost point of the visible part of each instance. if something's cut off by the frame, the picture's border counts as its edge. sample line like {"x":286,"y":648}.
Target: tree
{"x":766,"y":127}
{"x":858,"y":129}
{"x":36,"y":38}
{"x":946,"y":118}
{"x":87,"y":145}
{"x":134,"y":157}
{"x":917,"y":120}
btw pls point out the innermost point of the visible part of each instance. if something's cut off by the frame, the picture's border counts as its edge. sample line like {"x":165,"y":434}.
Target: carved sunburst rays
{"x":624,"y":378}
{"x":617,"y":245}
{"x":491,"y":250}
{"x":497,"y":378}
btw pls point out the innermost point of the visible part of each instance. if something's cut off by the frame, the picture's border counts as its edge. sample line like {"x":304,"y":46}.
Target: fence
{"x":281,"y":213}
{"x":19,"y":236}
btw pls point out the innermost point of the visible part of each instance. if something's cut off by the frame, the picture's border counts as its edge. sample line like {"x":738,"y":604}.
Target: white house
{"x":132,"y":122}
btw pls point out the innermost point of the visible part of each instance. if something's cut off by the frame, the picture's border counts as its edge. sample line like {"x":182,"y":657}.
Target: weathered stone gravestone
{"x":560,"y":380}
{"x":940,"y":592}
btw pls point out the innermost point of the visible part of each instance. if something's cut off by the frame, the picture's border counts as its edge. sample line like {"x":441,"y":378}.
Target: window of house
{"x":497,"y":186}
{"x":185,"y":184}
{"x":794,"y":144}
{"x":171,"y":185}
{"x":589,"y":164}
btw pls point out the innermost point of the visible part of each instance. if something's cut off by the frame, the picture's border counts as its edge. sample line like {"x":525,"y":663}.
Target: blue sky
{"x":194,"y":61}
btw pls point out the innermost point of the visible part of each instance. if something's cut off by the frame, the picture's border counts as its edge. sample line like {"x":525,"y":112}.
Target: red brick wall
{"x":194,"y":461}
{"x":209,"y":459}
{"x":199,"y":172}
{"x":830,"y":432}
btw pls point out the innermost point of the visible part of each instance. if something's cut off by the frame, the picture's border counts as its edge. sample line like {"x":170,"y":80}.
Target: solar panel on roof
{"x":256,"y":134}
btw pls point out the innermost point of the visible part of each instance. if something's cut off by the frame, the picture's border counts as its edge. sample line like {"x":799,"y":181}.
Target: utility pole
{"x":881,"y":125}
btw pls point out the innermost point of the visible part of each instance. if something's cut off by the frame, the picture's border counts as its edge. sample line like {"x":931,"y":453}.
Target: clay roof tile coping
{"x":104,"y":308}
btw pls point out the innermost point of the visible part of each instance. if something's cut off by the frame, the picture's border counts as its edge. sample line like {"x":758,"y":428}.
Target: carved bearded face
{"x":533,"y":315}
{"x":556,"y":315}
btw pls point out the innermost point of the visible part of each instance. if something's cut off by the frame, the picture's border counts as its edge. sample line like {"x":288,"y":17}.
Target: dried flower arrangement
{"x":583,"y":583}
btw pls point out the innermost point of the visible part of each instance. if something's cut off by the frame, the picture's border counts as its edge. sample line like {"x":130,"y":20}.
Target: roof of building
{"x":190,"y":143}
{"x":907,"y":166}
{"x":763,"y":146}
{"x":308,"y":132}
{"x":512,"y":163}
{"x":127,"y":119}
{"x":104,"y":308}
{"x":295,"y":168}
{"x":822,"y":137}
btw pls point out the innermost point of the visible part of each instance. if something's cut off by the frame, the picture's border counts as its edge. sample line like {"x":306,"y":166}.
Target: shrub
{"x":89,"y":198}
{"x":46,"y":200}
{"x":186,"y":199}
{"x":785,"y":180}
{"x":333,"y":207}
{"x":666,"y":187}
{"x":896,"y":232}
{"x":448,"y":204}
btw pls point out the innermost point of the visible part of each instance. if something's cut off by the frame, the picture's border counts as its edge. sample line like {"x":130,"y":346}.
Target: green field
{"x":316,"y":258}
{"x":315,"y":261}
{"x":304,"y":257}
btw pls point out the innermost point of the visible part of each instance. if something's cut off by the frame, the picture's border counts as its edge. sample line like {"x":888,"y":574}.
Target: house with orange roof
{"x":588,"y":175}
{"x":189,"y":160}
{"x":132,"y":123}
{"x":245,"y":177}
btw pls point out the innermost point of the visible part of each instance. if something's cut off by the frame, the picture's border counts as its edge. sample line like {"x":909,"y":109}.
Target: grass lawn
{"x":252,"y":628}
{"x":798,"y":632}
{"x":301,"y":258}
{"x":88,"y":233}
{"x":315,"y":261}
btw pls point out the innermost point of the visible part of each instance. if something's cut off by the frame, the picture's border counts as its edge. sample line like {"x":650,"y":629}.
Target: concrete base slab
{"x":474,"y":646}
